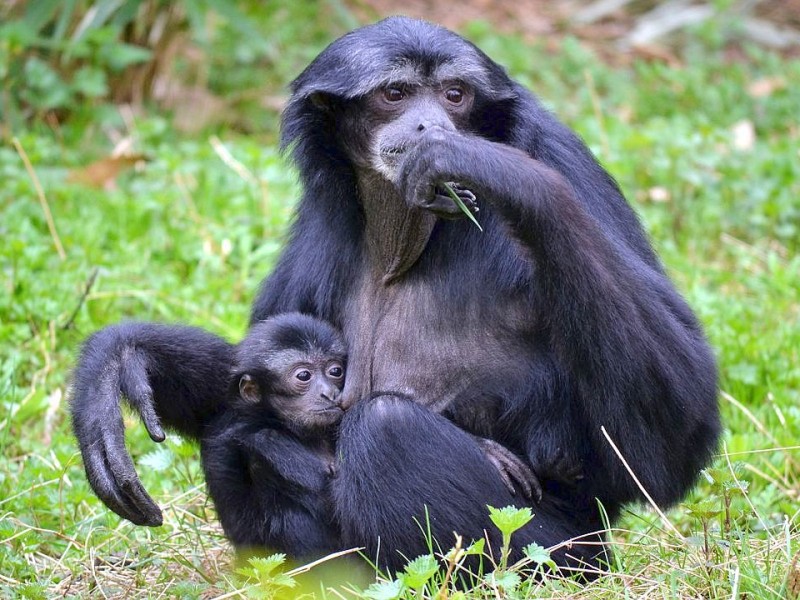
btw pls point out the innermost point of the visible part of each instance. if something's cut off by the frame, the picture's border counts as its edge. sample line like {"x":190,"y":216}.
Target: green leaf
{"x":39,"y":12}
{"x":475,"y":548}
{"x":263,"y":566}
{"x":45,"y":89}
{"x":510,"y":519}
{"x":706,"y":508}
{"x":158,"y":460}
{"x":386,"y":590}
{"x":96,"y":18}
{"x":508,"y":581}
{"x":90,"y":82}
{"x":419,"y":571}
{"x":15,"y":37}
{"x":736,"y":487}
{"x":182,"y":447}
{"x":64,"y":18}
{"x":262,"y":576}
{"x":119,"y":56}
{"x":539,"y":555}
{"x":460,"y":203}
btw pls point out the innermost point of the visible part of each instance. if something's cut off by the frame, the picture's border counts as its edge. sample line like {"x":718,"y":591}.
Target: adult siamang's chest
{"x":411,"y":337}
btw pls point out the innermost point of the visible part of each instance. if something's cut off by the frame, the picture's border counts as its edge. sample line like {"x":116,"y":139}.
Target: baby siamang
{"x":268,"y":455}
{"x":553,"y":322}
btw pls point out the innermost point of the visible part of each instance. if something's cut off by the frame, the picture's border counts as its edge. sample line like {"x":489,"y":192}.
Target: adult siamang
{"x":268,"y":456}
{"x":555,"y":321}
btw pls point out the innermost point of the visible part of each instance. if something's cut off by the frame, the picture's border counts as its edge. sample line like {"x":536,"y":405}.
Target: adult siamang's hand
{"x":426,"y":170}
{"x":106,"y":371}
{"x":469,"y":164}
{"x":170,"y":374}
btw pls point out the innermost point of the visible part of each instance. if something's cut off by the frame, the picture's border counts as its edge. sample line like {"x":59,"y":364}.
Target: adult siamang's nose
{"x":441,"y":123}
{"x":431,"y":115}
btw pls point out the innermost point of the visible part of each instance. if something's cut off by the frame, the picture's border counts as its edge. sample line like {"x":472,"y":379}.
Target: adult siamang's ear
{"x":322,"y":101}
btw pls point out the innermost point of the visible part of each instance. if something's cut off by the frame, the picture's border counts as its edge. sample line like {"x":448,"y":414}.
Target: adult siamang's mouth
{"x":392,"y":154}
{"x":393,"y":150}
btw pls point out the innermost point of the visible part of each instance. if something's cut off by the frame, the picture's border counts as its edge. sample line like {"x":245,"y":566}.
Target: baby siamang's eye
{"x":303,"y":375}
{"x":336,"y":372}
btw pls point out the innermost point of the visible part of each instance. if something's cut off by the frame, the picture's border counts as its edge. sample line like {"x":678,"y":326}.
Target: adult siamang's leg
{"x":175,"y":376}
{"x":396,"y":458}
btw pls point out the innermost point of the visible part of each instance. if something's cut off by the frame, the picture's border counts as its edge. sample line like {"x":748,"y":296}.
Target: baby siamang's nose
{"x":330,"y":394}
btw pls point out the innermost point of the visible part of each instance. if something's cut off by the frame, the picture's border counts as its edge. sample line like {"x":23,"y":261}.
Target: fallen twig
{"x":51,"y":225}
{"x":86,"y":289}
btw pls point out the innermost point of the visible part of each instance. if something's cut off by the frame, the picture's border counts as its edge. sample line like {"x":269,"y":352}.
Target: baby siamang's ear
{"x":248,"y":389}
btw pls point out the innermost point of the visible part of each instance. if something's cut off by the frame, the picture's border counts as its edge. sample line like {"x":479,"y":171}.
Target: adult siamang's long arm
{"x":172,"y":376}
{"x":634,"y":353}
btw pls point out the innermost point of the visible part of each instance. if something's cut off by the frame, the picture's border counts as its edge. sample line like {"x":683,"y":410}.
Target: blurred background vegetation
{"x":140,"y":179}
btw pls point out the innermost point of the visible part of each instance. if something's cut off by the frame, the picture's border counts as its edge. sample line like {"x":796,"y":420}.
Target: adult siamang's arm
{"x":634,"y":352}
{"x":172,"y":376}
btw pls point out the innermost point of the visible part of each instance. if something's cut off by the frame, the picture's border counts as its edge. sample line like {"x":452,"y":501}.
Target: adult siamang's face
{"x":381,"y":127}
{"x":405,"y":109}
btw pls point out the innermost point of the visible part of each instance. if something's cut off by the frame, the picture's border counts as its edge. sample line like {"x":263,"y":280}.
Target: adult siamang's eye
{"x":303,"y":375}
{"x":393,"y":94}
{"x":336,"y":372}
{"x":454,"y":95}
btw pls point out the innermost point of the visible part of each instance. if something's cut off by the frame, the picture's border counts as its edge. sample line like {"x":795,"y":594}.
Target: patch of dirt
{"x":537,"y":19}
{"x":527,"y":17}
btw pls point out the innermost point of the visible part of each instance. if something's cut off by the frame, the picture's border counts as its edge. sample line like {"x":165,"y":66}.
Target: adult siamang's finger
{"x":520,"y":478}
{"x":105,"y":485}
{"x":135,"y":384}
{"x":515,"y":473}
{"x":498,"y":464}
{"x":527,"y":480}
{"x":138,"y":497}
{"x":126,"y":484}
{"x":466,"y":195}
{"x":152,"y":423}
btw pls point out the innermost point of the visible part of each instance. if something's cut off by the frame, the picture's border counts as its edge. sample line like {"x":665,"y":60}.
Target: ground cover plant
{"x":184,"y":228}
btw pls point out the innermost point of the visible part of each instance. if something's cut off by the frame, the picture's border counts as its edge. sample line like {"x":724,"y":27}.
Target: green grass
{"x":187,"y":238}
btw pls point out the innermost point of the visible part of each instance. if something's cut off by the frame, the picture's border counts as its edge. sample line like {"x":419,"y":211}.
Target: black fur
{"x":269,"y":488}
{"x":559,"y":314}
